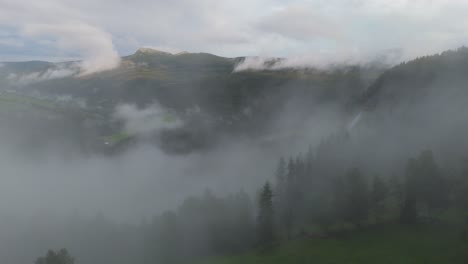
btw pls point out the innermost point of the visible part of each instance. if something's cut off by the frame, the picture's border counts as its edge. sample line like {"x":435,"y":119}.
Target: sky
{"x":99,"y":31}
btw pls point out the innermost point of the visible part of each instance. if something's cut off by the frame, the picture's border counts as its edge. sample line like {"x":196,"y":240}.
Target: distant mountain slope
{"x":245,"y":102}
{"x":420,"y":104}
{"x":413,"y":79}
{"x":150,"y":75}
{"x":202,"y":90}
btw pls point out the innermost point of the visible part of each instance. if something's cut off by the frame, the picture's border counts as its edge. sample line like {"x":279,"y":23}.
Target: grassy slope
{"x":10,"y":101}
{"x":384,"y":245}
{"x":26,"y":101}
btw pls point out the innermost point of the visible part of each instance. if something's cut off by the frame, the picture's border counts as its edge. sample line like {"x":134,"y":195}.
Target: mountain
{"x":419,"y":104}
{"x":409,"y":80}
{"x":150,"y":75}
{"x":212,"y":101}
{"x":200,"y":88}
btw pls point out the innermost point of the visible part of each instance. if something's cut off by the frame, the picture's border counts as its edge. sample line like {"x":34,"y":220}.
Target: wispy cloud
{"x":57,"y":72}
{"x":146,"y":121}
{"x":236,"y":28}
{"x":93,"y":44}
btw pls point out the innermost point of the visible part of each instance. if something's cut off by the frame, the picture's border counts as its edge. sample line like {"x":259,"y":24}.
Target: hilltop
{"x":227,"y":101}
{"x":245,"y":102}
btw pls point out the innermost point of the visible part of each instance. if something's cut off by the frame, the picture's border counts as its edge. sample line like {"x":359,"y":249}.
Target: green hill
{"x":386,"y":244}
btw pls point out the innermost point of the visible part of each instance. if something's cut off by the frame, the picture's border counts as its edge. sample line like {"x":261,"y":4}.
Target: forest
{"x":307,"y":198}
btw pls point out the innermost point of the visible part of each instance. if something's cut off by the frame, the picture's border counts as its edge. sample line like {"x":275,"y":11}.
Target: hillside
{"x":213,"y":127}
{"x":212,"y":100}
{"x":384,"y":244}
{"x":199,"y":78}
{"x":416,"y":78}
{"x":226,"y":102}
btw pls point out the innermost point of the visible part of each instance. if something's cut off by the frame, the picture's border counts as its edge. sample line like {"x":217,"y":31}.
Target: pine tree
{"x":357,"y":209}
{"x":287,"y":204}
{"x":265,"y":221}
{"x":408,"y":213}
{"x":280,"y":174}
{"x":167,"y":238}
{"x":53,"y":257}
{"x":339,"y":199}
{"x":282,"y":194}
{"x":280,"y":180}
{"x":431,"y":183}
{"x":396,"y":190}
{"x":462,"y":193}
{"x":378,"y":196}
{"x":462,"y":198}
{"x":238,"y":224}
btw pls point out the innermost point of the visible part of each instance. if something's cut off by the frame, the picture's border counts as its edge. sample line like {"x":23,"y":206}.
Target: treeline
{"x":306,"y":198}
{"x":201,"y":226}
{"x":312,"y":194}
{"x":303,"y":198}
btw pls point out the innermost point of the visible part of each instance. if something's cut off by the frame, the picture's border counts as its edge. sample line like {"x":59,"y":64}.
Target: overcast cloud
{"x":99,"y":31}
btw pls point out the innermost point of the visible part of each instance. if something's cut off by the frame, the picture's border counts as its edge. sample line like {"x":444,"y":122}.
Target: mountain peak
{"x":151,"y":51}
{"x":182,"y":53}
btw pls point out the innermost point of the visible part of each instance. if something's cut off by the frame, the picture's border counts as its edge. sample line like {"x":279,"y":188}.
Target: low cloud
{"x":146,"y":121}
{"x":321,"y":61}
{"x":268,"y":63}
{"x":233,"y":28}
{"x":60,"y":71}
{"x":91,"y":43}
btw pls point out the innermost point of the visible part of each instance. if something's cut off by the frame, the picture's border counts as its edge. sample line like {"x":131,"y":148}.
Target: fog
{"x":41,"y":192}
{"x":60,"y":71}
{"x":44,"y":192}
{"x":162,"y":155}
{"x":93,"y":44}
{"x":48,"y":188}
{"x":324,"y":61}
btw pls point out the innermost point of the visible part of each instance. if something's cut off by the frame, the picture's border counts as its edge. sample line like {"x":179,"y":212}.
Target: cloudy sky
{"x":101,"y":30}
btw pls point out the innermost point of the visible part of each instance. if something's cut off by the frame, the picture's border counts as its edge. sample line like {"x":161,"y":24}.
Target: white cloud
{"x":320,"y":60}
{"x":60,"y":71}
{"x":146,"y":121}
{"x":94,"y":45}
{"x":269,"y":28}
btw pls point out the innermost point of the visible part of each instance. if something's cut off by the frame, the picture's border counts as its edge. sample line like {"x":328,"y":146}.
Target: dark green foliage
{"x":56,"y":257}
{"x":378,"y":197}
{"x":202,"y":226}
{"x":281,"y":173}
{"x":387,"y":244}
{"x":461,"y":199}
{"x":396,"y":190}
{"x":310,"y":189}
{"x":357,"y":197}
{"x":379,"y":190}
{"x":265,"y":218}
{"x":167,"y":236}
{"x":339,"y":200}
{"x":462,"y":190}
{"x":307,"y":193}
{"x":433,"y":186}
{"x":409,"y":214}
{"x":426,"y":189}
{"x":411,"y":79}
